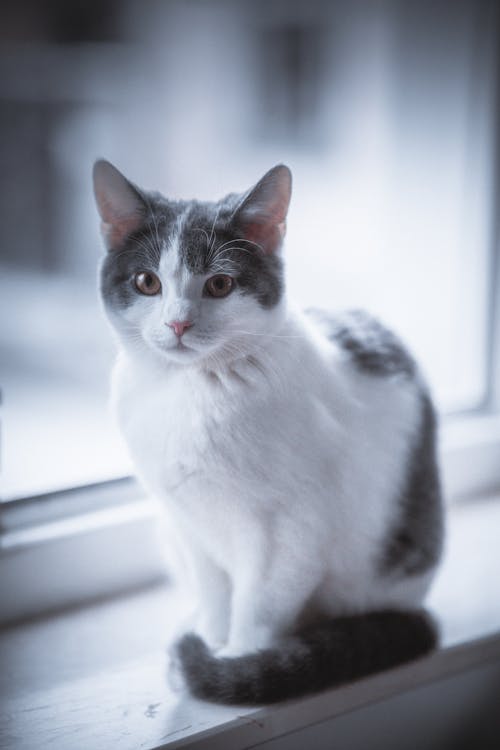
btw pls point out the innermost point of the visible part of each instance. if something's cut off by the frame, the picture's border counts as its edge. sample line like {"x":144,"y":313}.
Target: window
{"x":386,"y":114}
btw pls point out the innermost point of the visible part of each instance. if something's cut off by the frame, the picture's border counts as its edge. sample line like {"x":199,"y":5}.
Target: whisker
{"x":268,"y":335}
{"x":223,"y":248}
{"x":155,"y":247}
{"x":149,"y":249}
{"x":200,"y":229}
{"x":140,"y":255}
{"x":241,"y":239}
{"x":212,"y":232}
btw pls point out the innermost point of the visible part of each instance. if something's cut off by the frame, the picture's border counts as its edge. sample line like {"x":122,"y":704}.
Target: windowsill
{"x":96,"y":677}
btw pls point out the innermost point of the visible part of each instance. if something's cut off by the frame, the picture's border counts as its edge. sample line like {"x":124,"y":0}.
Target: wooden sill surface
{"x":96,"y":678}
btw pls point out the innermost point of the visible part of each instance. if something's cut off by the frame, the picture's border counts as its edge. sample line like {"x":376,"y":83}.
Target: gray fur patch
{"x":414,"y":544}
{"x":372,"y":347}
{"x":140,"y":252}
{"x":211,"y":241}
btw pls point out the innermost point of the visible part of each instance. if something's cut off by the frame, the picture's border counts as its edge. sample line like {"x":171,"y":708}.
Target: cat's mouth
{"x":181,"y":346}
{"x":179,"y":351}
{"x":177,"y":346}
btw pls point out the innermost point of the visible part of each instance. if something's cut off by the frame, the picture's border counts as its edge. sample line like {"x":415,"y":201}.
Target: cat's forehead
{"x":194,"y":235}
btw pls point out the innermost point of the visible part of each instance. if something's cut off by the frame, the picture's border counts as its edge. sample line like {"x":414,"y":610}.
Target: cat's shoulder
{"x":373,"y":347}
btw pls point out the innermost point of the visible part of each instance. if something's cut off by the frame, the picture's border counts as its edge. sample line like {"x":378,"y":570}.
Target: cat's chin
{"x":184,"y":354}
{"x":180,"y":354}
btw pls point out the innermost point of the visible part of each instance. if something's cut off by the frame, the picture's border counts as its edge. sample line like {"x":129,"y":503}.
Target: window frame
{"x":105,"y":544}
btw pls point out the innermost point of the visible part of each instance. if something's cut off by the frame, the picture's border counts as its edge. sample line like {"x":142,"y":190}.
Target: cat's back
{"x":398,"y":422}
{"x":366,"y":343}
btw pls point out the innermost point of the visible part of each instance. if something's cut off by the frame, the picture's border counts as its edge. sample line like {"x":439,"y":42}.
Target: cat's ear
{"x":261,"y":215}
{"x":121,"y":207}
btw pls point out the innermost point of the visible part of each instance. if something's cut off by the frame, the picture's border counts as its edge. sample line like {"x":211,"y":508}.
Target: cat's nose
{"x":179,"y":326}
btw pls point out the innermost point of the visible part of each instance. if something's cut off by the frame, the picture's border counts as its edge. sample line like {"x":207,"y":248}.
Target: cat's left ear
{"x":261,"y":215}
{"x":120,"y":205}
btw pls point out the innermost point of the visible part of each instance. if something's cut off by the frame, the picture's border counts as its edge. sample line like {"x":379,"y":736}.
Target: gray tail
{"x":335,"y":652}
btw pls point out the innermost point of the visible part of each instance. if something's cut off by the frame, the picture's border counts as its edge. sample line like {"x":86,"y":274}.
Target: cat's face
{"x":189,"y":280}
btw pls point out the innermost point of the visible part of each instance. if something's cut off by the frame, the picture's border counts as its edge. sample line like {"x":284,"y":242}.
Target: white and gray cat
{"x":295,"y":452}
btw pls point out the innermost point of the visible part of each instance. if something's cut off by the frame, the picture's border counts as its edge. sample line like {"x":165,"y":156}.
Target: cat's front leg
{"x":266,"y":605}
{"x":211,"y":588}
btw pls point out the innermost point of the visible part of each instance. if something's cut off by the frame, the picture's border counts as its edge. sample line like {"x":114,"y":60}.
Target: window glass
{"x":383,"y":111}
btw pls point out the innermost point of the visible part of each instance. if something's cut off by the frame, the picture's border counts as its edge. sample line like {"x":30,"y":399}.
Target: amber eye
{"x":147,"y":283}
{"x":219,"y":286}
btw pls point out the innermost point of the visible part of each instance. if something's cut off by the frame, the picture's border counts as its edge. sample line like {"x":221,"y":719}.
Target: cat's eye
{"x":147,"y":283}
{"x":219,"y":285}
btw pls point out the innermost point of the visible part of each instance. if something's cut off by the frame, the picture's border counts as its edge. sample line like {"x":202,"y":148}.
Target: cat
{"x":294,"y":451}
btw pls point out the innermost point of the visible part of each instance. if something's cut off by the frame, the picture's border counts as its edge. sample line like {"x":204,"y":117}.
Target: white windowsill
{"x":96,"y":677}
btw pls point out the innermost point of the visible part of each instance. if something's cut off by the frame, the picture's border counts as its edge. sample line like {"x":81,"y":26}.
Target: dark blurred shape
{"x":58,"y":21}
{"x":25,"y":166}
{"x":291,"y":59}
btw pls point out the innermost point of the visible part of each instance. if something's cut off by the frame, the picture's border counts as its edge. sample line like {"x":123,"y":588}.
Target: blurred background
{"x":386,"y":111}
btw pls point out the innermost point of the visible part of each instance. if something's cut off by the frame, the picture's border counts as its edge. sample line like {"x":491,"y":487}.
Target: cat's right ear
{"x":120,"y":205}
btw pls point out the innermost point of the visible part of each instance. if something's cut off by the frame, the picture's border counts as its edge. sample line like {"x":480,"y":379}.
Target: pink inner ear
{"x":115,"y":234}
{"x":267,"y":235}
{"x":262,"y":214}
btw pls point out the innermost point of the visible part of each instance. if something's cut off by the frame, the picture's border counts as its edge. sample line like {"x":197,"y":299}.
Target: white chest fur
{"x":304,"y":456}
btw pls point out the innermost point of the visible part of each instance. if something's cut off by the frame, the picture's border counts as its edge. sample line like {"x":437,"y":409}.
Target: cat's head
{"x":189,"y":280}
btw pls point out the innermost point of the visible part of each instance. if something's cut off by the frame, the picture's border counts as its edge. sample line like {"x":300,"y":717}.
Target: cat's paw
{"x":212,"y":642}
{"x":211,"y":632}
{"x":246,"y":642}
{"x":175,"y":673}
{"x":231,"y":651}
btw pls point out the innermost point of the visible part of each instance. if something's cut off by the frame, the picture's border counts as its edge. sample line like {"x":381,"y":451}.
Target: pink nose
{"x":179,"y":326}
